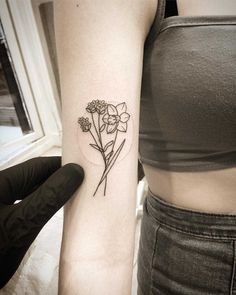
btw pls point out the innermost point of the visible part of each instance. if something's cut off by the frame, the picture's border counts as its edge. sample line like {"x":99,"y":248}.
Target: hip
{"x":206,"y":191}
{"x":183,"y":251}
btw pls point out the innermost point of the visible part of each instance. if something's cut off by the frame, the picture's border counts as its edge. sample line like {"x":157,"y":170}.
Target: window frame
{"x":25,"y":42}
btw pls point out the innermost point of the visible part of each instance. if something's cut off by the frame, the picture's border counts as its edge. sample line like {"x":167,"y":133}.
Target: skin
{"x":99,"y":231}
{"x":204,"y":7}
{"x":207,"y":191}
{"x":100,"y":53}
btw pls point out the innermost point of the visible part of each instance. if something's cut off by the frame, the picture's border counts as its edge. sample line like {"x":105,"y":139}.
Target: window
{"x":30,"y":120}
{"x":14,"y":117}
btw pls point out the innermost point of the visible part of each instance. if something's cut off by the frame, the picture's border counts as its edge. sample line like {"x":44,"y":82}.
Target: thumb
{"x":31,"y":214}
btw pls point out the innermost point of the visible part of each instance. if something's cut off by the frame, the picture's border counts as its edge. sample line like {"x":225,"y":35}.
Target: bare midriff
{"x":207,"y":191}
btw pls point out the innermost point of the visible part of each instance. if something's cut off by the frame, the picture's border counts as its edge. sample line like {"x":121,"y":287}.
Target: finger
{"x":20,"y":180}
{"x":9,"y":262}
{"x":27,"y":218}
{"x":31,"y":214}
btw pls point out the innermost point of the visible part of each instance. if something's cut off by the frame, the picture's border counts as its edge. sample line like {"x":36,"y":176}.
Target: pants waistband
{"x":218,"y":225}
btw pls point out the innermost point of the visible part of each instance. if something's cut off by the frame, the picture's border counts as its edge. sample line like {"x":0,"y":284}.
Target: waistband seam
{"x":196,"y":234}
{"x":174,"y":207}
{"x":219,"y":237}
{"x":194,"y":24}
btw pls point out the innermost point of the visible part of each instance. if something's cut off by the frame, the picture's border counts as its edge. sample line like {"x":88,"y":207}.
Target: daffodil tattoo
{"x":105,"y":119}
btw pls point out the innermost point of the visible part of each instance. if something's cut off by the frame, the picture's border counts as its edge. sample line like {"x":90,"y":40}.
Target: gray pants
{"x":185,"y":252}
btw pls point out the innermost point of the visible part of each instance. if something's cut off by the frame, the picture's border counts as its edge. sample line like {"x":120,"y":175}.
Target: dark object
{"x":171,"y":8}
{"x":140,"y":171}
{"x":188,"y":105}
{"x":44,"y":187}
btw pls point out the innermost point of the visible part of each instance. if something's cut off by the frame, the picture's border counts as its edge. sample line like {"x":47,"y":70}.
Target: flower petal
{"x":111,"y":128}
{"x":111,"y":110}
{"x":122,"y":126}
{"x":124,"y":117}
{"x":105,"y":118}
{"x":121,"y":108}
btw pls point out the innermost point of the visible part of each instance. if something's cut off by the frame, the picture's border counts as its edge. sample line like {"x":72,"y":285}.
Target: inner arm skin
{"x":100,"y":55}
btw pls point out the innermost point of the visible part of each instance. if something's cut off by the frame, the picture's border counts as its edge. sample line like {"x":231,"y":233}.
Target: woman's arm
{"x":100,"y":54}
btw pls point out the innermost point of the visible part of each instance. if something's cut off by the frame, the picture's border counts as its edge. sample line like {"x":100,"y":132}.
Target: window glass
{"x":14,"y":118}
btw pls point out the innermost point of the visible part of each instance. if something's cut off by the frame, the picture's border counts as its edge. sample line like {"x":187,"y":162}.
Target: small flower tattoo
{"x":105,"y":119}
{"x":98,"y":106}
{"x":84,"y":124}
{"x":116,"y":118}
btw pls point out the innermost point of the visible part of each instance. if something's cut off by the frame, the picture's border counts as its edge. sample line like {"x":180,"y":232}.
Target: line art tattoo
{"x":105,"y":119}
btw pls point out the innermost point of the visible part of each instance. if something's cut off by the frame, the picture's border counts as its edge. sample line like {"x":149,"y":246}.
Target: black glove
{"x":44,"y":187}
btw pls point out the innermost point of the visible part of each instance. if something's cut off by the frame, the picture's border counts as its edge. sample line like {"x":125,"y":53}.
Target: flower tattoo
{"x":116,"y":118}
{"x":84,"y":124}
{"x":105,"y":119}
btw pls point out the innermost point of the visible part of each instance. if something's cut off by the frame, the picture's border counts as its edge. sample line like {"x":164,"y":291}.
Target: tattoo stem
{"x":108,"y":168}
{"x":94,"y":125}
{"x":103,"y":155}
{"x":93,"y":137}
{"x":100,"y":137}
{"x":114,"y":141}
{"x":104,"y":158}
{"x":105,"y":186}
{"x":99,"y":183}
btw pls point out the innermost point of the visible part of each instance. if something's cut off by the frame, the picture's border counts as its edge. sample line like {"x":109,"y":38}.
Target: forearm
{"x":97,"y":278}
{"x":98,"y":245}
{"x":98,"y":239}
{"x":100,"y":58}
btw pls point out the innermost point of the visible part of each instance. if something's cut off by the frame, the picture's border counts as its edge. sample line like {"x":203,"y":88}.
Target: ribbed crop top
{"x":188,"y":93}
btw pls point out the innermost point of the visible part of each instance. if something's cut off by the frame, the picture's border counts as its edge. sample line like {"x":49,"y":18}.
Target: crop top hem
{"x":190,"y":167}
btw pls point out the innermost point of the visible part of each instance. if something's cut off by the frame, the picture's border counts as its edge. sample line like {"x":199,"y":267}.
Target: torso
{"x":206,"y":191}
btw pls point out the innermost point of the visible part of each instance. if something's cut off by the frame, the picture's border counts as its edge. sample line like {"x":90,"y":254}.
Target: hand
{"x":43,"y":187}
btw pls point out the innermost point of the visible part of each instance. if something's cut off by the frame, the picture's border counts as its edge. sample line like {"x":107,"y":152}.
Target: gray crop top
{"x":188,"y":93}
